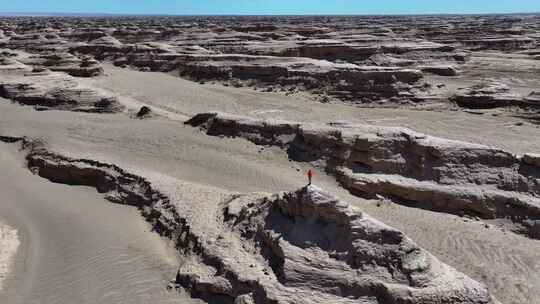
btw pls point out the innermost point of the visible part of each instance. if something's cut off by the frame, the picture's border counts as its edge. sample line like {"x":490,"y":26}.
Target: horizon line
{"x":84,"y":14}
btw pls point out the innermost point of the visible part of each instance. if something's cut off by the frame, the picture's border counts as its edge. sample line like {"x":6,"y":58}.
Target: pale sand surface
{"x":77,"y":247}
{"x":9,"y":242}
{"x":184,"y":97}
{"x":508,"y":263}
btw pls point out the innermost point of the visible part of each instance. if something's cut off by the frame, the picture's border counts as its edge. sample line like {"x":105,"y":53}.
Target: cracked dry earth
{"x":141,"y":154}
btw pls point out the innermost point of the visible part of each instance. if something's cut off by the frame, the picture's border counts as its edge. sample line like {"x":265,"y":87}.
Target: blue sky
{"x":270,"y":7}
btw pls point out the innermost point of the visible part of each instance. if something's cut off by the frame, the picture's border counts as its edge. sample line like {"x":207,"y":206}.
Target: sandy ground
{"x":78,"y":248}
{"x":183,"y":97}
{"x":508,"y":263}
{"x":9,"y":242}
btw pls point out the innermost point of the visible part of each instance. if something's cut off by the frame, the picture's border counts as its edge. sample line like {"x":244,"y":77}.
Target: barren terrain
{"x":163,"y":159}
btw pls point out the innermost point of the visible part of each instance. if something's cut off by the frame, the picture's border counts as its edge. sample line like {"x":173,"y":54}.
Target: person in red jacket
{"x":309,"y":176}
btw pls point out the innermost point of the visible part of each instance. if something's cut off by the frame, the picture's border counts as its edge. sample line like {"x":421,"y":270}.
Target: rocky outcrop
{"x":364,"y":60}
{"x":500,"y":43}
{"x":309,"y":247}
{"x":117,"y":185}
{"x":491,"y":95}
{"x":401,"y":47}
{"x":298,"y":247}
{"x":67,"y":63}
{"x":360,"y":83}
{"x":327,"y":49}
{"x":53,"y":90}
{"x":533,"y":100}
{"x":70,"y":99}
{"x":441,"y":70}
{"x":34,"y":42}
{"x":10,"y":66}
{"x":144,"y":112}
{"x":409,"y":167}
{"x":347,"y":81}
{"x":145,"y":56}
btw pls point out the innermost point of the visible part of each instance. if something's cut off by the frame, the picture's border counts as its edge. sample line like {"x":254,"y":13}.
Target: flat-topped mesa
{"x":410,"y":167}
{"x":309,"y":247}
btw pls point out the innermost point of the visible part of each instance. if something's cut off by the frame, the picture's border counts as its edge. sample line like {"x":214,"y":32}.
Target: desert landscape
{"x":163,"y":159}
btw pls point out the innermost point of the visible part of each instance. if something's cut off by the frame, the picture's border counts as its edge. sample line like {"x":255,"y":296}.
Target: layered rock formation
{"x":309,"y":247}
{"x":409,"y":167}
{"x":362,"y":60}
{"x":44,"y":89}
{"x":68,"y":63}
{"x":298,"y":247}
{"x":349,"y":81}
{"x":491,"y":95}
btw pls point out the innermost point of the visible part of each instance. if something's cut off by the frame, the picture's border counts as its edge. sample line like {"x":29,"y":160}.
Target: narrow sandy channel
{"x":78,"y":248}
